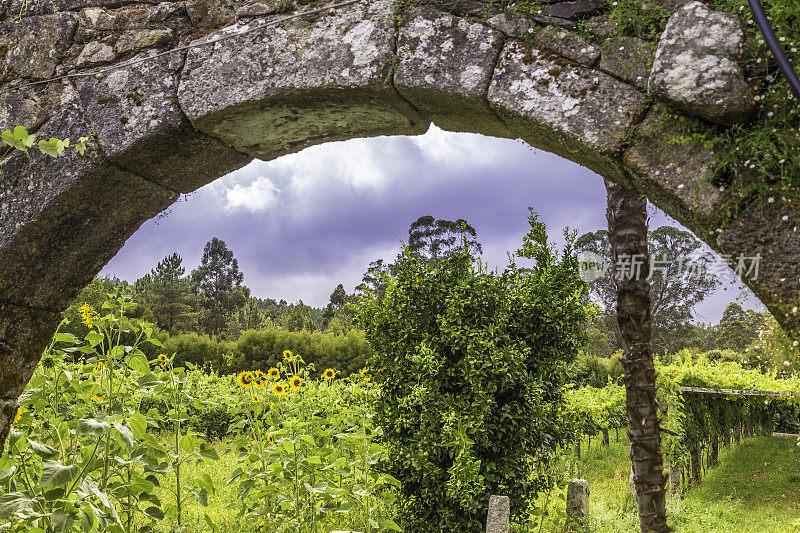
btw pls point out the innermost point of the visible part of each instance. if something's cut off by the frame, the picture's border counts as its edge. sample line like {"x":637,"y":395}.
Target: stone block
{"x":565,"y":108}
{"x":676,"y":172}
{"x":697,"y":65}
{"x":135,"y":112}
{"x":567,"y":44}
{"x":444,"y":66}
{"x":577,"y":501}
{"x":628,"y":58}
{"x":299,"y":83}
{"x":497,"y":519}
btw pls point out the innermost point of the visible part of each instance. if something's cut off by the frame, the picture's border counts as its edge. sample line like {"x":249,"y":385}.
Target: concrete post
{"x":497,"y":519}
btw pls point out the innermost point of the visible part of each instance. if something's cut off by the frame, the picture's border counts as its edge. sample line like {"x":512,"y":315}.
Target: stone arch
{"x":170,"y":124}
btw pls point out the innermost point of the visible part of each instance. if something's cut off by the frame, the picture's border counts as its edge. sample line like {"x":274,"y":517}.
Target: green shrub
{"x":263,"y":349}
{"x":200,"y":350}
{"x":471,"y":366}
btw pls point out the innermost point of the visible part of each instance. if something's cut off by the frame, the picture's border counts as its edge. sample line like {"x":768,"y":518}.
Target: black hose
{"x":775,"y":48}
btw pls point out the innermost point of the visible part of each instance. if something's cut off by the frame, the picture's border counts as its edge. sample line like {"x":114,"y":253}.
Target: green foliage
{"x":307,"y":457}
{"x":169,"y":295}
{"x":591,"y":370}
{"x":591,"y":410}
{"x":698,"y":417}
{"x":80,"y":457}
{"x":219,"y":283}
{"x":773,"y":350}
{"x":20,"y":139}
{"x":673,"y":293}
{"x":113,"y":442}
{"x":470,"y":365}
{"x":262,"y":349}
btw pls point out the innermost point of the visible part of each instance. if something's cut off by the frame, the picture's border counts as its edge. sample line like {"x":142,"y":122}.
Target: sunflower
{"x":98,"y":397}
{"x":18,"y":415}
{"x":270,"y":439}
{"x":272,"y":405}
{"x":162,"y":357}
{"x":295,"y":382}
{"x":245,"y":379}
{"x":259,"y":379}
{"x":279,"y":389}
{"x":287,"y":356}
{"x":274,"y":373}
{"x":329,"y":374}
{"x":86,"y":314}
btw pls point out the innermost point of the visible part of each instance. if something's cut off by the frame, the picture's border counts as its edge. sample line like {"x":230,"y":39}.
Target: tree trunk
{"x":606,"y":441}
{"x":695,"y":462}
{"x":578,"y":449}
{"x":713,"y":458}
{"x":627,"y":234}
{"x":726,"y":439}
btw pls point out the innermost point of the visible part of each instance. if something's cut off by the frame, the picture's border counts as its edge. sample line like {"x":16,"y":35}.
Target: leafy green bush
{"x":471,"y":366}
{"x":262,"y":349}
{"x":200,"y":350}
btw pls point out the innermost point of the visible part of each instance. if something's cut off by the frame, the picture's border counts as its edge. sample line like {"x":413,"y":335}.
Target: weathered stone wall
{"x":173,"y":123}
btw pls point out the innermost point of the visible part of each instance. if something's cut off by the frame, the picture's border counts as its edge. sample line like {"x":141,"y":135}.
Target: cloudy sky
{"x":301,"y":224}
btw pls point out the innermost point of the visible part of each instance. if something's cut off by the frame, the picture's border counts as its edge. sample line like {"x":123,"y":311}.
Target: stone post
{"x":497,"y":519}
{"x":577,"y":501}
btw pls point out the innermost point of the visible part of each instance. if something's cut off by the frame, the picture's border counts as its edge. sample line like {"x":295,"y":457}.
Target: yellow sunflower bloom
{"x":274,"y":373}
{"x":86,"y":314}
{"x":295,"y":383}
{"x":279,"y":389}
{"x":287,"y":356}
{"x":272,"y":405}
{"x":245,"y":379}
{"x":98,"y":397}
{"x":270,"y":439}
{"x":259,"y":379}
{"x":329,"y":374}
{"x":18,"y":415}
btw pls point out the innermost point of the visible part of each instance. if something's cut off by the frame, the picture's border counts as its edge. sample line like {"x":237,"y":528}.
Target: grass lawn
{"x":755,"y":488}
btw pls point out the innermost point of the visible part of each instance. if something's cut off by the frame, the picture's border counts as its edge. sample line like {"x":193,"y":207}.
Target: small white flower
{"x":770,"y":199}
{"x":680,"y":186}
{"x":785,"y":217}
